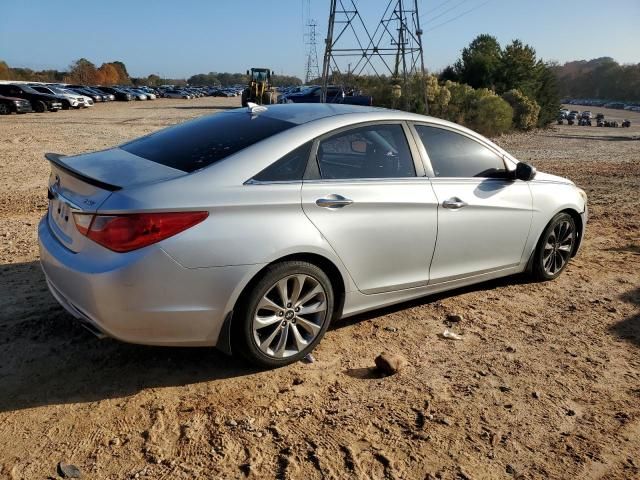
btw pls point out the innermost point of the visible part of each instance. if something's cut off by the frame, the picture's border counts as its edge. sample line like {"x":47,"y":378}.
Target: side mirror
{"x":525,"y":172}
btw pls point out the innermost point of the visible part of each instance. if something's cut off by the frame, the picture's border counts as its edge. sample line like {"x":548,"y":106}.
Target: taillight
{"x":123,"y":233}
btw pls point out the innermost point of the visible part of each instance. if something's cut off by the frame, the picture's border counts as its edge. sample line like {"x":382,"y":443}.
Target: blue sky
{"x":180,"y":38}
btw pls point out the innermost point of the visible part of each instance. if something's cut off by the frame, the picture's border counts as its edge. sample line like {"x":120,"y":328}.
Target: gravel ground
{"x":544,"y":384}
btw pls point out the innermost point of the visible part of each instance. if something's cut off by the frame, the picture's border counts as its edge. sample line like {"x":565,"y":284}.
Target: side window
{"x":291,"y":167}
{"x":374,"y":151}
{"x":454,"y":155}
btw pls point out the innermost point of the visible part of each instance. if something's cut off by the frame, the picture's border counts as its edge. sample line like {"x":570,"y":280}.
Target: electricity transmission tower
{"x":312,"y":70}
{"x":390,"y":49}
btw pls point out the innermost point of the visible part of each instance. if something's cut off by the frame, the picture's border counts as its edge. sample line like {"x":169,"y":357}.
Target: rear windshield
{"x":207,"y":140}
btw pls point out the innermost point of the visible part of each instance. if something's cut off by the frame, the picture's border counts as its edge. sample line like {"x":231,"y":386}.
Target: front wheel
{"x":554,"y":247}
{"x":285,"y":315}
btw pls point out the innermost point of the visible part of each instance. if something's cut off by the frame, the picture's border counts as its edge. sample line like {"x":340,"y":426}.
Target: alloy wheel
{"x":558,"y":247}
{"x":289,"y":316}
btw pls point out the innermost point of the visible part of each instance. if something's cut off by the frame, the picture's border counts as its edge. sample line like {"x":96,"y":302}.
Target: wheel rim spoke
{"x":281,"y":347}
{"x":267,"y":304}
{"x":308,"y":325}
{"x":316,"y":290}
{"x":283,"y":291}
{"x":301,"y":343}
{"x":266,"y":343}
{"x":298,"y":285}
{"x":313,"y":308}
{"x":262,"y":322}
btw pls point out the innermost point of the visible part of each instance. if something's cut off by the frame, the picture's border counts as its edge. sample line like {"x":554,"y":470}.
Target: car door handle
{"x":454,"y":203}
{"x":334,"y":201}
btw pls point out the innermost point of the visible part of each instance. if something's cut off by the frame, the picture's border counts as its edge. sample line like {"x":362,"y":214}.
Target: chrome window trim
{"x":251,"y":181}
{"x":367,"y":180}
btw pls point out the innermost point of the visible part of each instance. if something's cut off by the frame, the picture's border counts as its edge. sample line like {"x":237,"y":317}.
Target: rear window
{"x":205,"y":141}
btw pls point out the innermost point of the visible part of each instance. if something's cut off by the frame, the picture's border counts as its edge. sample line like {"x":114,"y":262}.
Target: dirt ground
{"x":544,"y":384}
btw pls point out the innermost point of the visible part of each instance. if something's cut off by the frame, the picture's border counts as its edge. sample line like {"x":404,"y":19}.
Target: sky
{"x":176,"y":39}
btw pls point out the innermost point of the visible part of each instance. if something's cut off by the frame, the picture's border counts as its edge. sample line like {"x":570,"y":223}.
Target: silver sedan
{"x":253,"y":229}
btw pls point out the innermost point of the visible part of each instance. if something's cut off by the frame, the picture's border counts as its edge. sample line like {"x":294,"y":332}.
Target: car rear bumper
{"x":142,"y":297}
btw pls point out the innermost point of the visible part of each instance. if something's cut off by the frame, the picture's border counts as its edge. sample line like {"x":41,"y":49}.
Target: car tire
{"x":554,"y":248}
{"x":287,"y":335}
{"x":5,"y":109}
{"x":66,"y":105}
{"x":39,"y":106}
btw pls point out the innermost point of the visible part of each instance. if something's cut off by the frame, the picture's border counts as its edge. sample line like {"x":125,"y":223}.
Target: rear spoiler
{"x":56,"y":159}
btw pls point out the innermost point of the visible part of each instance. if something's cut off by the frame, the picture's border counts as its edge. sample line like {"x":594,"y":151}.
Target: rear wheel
{"x":554,"y":247}
{"x":66,"y":105}
{"x":4,"y":109}
{"x":285,"y":315}
{"x":268,"y":98}
{"x":40,"y":106}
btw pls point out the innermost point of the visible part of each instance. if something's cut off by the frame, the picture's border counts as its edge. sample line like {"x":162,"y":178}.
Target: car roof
{"x":300,"y":113}
{"x":304,"y":113}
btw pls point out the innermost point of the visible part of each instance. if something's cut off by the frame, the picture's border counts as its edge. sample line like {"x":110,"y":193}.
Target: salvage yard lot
{"x":544,"y":384}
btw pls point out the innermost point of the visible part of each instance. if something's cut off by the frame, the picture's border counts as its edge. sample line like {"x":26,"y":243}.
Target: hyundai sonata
{"x":252,"y":229}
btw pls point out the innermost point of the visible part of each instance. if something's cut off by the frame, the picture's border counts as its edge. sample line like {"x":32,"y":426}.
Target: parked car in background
{"x":586,"y":115}
{"x":96,"y":95}
{"x":9,"y":105}
{"x":176,"y":94}
{"x":68,"y":99}
{"x":148,"y":95}
{"x":40,"y":102}
{"x":178,"y":226}
{"x":136,"y":95}
{"x":120,"y":95}
{"x":82,"y":91}
{"x":335,"y":94}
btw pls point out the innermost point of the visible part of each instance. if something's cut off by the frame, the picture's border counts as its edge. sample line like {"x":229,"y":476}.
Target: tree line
{"x":84,"y":72}
{"x":226,"y":79}
{"x":600,"y":78}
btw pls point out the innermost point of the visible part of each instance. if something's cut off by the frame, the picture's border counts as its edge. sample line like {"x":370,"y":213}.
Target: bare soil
{"x":544,"y":384}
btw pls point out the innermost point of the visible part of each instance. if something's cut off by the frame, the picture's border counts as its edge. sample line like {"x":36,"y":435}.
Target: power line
{"x":428,"y":12}
{"x":456,"y":17}
{"x":441,"y":14}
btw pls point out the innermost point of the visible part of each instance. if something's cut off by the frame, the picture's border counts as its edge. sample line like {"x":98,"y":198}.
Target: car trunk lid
{"x":82,"y":183}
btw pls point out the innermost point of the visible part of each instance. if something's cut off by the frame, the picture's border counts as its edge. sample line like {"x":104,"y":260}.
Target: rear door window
{"x":373,"y":151}
{"x":199,"y":143}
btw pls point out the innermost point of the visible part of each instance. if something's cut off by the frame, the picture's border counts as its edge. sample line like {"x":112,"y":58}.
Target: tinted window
{"x":375,"y":151}
{"x":202,"y":142}
{"x":454,"y":155}
{"x":291,"y":167}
